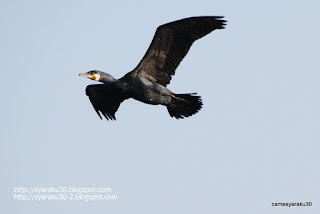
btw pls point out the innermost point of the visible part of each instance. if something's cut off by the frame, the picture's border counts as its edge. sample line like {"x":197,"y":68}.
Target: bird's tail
{"x":184,"y":105}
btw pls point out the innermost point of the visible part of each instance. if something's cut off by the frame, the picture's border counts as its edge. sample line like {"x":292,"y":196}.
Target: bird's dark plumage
{"x":147,"y":82}
{"x":171,"y":43}
{"x":105,"y":99}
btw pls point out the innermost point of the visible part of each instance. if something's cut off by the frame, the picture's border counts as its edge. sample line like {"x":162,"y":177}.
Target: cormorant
{"x":147,"y":82}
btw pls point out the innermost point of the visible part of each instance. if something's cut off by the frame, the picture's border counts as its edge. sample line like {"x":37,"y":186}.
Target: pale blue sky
{"x":256,"y":140}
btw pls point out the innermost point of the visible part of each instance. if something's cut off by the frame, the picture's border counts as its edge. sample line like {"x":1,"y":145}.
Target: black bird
{"x":147,"y":82}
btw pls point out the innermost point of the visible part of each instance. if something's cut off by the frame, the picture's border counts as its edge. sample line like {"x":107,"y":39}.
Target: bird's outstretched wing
{"x":171,"y":43}
{"x":104,"y":99}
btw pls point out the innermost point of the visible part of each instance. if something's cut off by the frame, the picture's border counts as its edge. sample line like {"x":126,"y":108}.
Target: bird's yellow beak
{"x":90,"y":76}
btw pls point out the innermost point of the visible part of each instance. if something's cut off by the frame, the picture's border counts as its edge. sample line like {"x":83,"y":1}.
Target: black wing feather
{"x":104,"y":99}
{"x":171,"y":43}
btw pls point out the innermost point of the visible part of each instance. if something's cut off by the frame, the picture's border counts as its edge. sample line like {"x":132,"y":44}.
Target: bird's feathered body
{"x":146,"y":91}
{"x":147,"y":82}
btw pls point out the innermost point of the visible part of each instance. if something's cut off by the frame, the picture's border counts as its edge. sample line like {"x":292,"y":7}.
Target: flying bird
{"x":147,"y":82}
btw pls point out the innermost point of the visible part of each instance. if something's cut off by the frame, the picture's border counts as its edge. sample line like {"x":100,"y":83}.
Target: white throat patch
{"x":97,"y":77}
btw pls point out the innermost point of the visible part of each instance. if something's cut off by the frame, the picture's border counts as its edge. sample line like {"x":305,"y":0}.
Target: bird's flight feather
{"x":170,"y":45}
{"x":105,"y":99}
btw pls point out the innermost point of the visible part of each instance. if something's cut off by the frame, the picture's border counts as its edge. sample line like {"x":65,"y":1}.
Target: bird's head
{"x":98,"y":76}
{"x":94,"y":75}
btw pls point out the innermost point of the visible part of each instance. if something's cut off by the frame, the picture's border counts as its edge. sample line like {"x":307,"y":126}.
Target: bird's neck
{"x":107,"y":79}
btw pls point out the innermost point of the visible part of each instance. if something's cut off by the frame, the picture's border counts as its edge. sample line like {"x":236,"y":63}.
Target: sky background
{"x":255,"y":142}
